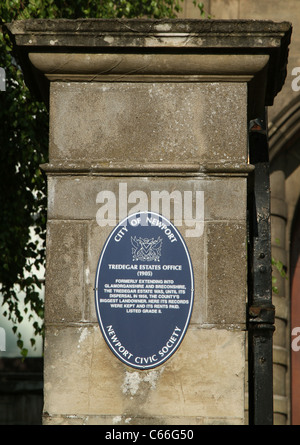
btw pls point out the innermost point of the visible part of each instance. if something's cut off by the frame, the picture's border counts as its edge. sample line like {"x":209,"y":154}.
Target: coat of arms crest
{"x":146,"y":249}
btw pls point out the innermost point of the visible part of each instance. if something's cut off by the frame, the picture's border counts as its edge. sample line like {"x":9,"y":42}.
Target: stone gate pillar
{"x":149,"y":115}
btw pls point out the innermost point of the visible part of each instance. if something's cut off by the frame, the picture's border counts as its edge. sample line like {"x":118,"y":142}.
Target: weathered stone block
{"x":101,"y":386}
{"x":226,"y":273}
{"x":224,"y":198}
{"x":65,"y":278}
{"x":104,"y":122}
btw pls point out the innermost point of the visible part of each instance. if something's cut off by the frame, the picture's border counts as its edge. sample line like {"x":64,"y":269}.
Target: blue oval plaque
{"x":144,"y":290}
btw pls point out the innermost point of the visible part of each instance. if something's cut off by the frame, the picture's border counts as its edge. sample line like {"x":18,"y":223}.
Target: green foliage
{"x":200,"y":6}
{"x":279,"y":266}
{"x":24,"y":145}
{"x":53,"y":9}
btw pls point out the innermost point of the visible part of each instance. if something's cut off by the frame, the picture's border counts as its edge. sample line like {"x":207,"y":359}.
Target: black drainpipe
{"x":261,"y":312}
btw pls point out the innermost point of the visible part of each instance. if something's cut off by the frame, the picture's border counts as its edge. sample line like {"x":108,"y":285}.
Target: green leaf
{"x":24,"y":352}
